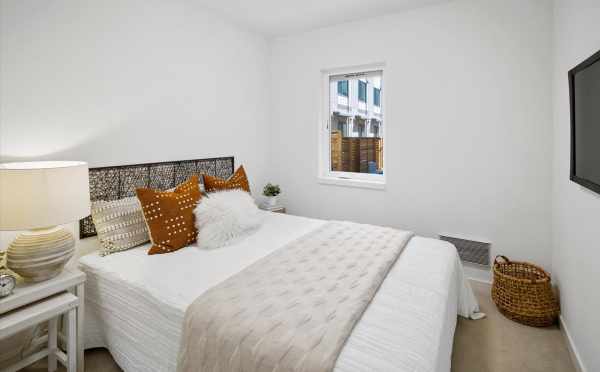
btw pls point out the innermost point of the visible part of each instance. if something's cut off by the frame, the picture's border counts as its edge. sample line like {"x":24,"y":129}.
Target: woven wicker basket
{"x":523,"y":293}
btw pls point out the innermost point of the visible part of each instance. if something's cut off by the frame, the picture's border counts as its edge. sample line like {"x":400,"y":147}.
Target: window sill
{"x":348,"y":182}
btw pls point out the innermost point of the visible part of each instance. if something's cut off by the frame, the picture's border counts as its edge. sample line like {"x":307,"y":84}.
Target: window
{"x":351,"y":140}
{"x":377,"y":97}
{"x":342,"y":88}
{"x":362,"y":91}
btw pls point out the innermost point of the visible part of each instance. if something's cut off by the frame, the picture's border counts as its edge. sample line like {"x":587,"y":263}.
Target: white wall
{"x":120,"y":82}
{"x":468,"y":122}
{"x":467,"y":93}
{"x":576,"y":210}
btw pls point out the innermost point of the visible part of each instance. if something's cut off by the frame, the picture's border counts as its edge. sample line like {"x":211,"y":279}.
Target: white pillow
{"x":225,"y":216}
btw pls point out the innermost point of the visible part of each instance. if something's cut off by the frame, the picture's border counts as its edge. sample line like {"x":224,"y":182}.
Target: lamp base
{"x":39,"y":255}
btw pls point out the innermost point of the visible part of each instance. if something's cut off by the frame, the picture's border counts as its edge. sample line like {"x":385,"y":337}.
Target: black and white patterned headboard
{"x":112,"y":183}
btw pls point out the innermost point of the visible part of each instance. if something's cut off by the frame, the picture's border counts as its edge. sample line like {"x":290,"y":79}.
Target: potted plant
{"x":271,"y":192}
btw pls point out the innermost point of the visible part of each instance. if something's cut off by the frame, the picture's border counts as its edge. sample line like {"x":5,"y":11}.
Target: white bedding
{"x":135,"y":303}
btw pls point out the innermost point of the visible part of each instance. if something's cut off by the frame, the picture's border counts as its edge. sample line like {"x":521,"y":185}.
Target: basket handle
{"x":497,"y":262}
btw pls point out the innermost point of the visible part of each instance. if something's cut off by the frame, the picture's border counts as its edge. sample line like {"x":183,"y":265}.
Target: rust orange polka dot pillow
{"x":169,"y":215}
{"x":238,"y":180}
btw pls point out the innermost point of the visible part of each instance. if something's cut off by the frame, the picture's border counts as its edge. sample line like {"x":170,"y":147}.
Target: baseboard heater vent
{"x":471,"y":251}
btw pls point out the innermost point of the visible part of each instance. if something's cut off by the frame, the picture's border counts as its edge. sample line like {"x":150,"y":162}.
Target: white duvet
{"x":135,"y":303}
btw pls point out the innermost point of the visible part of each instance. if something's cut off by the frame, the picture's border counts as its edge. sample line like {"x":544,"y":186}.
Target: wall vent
{"x":471,"y":251}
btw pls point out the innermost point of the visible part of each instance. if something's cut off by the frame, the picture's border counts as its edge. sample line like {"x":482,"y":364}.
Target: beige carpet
{"x":494,"y":344}
{"x":497,"y":344}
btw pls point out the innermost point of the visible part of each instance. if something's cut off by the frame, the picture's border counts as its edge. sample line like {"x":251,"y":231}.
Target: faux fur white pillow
{"x":225,"y":216}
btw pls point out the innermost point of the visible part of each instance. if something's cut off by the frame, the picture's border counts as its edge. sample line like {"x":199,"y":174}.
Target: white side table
{"x":48,"y":309}
{"x":30,"y":294}
{"x":275,"y":209}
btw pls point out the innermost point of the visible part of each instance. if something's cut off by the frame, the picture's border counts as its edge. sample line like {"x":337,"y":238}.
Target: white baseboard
{"x":579,"y":366}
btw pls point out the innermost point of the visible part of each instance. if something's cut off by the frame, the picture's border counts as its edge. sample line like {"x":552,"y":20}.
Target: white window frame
{"x":350,"y":179}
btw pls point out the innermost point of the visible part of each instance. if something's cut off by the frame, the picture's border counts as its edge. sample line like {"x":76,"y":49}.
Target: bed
{"x":136,"y":303}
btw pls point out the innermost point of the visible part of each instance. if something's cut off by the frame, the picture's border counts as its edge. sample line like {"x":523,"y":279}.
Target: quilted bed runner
{"x":294,"y":309}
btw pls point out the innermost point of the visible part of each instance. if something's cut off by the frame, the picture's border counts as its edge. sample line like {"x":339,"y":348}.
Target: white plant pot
{"x":271,"y":201}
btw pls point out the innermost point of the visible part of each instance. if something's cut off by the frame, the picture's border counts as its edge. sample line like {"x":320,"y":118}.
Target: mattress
{"x":135,"y":303}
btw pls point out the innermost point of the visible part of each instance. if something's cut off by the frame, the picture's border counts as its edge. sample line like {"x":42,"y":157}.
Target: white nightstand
{"x":34,"y":303}
{"x":275,"y":209}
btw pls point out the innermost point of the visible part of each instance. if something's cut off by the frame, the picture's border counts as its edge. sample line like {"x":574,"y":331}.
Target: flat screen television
{"x":584,"y":92}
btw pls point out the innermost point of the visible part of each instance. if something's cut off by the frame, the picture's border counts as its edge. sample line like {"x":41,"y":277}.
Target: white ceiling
{"x":275,"y":18}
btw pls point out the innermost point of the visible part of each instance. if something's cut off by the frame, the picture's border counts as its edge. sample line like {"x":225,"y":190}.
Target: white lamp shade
{"x":43,"y":194}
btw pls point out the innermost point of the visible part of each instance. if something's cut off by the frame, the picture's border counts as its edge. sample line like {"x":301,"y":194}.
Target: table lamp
{"x":39,"y":197}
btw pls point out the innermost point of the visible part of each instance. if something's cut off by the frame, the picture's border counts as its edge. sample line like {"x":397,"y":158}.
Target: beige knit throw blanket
{"x":294,"y":309}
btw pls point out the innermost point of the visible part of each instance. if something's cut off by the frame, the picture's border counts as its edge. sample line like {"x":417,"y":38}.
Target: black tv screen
{"x":584,"y":89}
